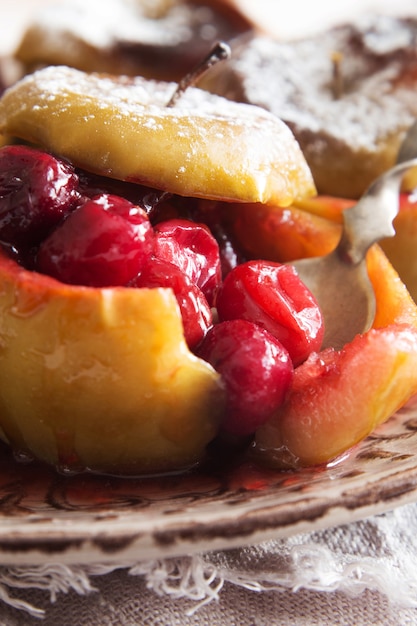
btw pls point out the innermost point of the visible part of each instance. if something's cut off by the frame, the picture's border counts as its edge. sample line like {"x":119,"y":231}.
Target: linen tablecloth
{"x":355,"y":574}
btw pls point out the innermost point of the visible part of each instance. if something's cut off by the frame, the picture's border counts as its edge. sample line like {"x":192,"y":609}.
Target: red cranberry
{"x":36,"y":191}
{"x":273,"y":296}
{"x":195,"y":310}
{"x":193,"y":249}
{"x":256,"y":369}
{"x":103,"y":243}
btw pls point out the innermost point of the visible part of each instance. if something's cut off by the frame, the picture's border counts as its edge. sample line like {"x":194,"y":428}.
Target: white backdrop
{"x":289,"y":18}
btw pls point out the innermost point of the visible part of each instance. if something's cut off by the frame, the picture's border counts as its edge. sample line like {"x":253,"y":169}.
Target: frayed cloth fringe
{"x":283,"y":566}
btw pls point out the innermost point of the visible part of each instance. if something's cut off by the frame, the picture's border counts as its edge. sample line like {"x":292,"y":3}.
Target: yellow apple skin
{"x":100,"y":378}
{"x":204,"y":146}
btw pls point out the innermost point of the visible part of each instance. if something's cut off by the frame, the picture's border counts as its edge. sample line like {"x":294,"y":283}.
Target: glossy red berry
{"x":37,"y":191}
{"x":273,"y":296}
{"x":256,"y":369}
{"x":195,"y":310}
{"x":193,"y":249}
{"x":105,"y":242}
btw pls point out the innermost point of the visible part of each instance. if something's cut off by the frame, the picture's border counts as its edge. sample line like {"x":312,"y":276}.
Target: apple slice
{"x":338,"y":398}
{"x":101,"y":378}
{"x":281,"y":233}
{"x":205,"y":146}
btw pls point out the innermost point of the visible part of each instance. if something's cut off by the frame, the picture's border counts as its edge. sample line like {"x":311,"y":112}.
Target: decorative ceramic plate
{"x":46,"y":517}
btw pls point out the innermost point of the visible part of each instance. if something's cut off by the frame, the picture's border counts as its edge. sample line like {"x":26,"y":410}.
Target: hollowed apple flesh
{"x":100,"y":378}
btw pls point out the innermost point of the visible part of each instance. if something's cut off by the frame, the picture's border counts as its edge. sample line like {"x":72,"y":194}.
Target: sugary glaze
{"x":119,"y":127}
{"x":348,"y":94}
{"x":160,"y":39}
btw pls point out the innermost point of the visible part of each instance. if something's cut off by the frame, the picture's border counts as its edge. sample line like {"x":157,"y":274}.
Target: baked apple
{"x":147,"y":374}
{"x":161,"y":39}
{"x":347,"y":94}
{"x":102,"y":311}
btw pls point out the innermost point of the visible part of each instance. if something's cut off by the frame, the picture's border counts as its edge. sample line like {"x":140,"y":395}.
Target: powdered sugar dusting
{"x":217,"y":148}
{"x":131,"y":96}
{"x":296,"y":81}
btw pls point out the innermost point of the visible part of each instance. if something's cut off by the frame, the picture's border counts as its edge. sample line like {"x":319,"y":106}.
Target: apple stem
{"x":337,"y":82}
{"x":220,"y":52}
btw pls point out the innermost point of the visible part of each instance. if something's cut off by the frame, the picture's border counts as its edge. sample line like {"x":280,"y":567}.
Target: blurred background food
{"x":278,"y":17}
